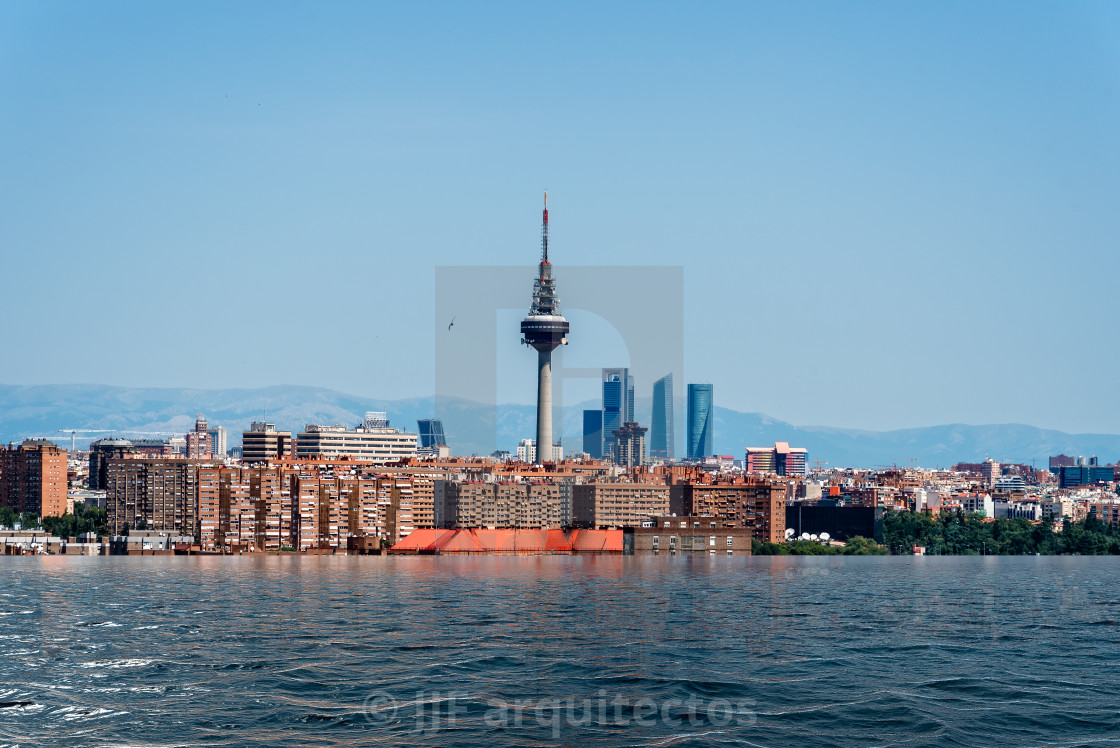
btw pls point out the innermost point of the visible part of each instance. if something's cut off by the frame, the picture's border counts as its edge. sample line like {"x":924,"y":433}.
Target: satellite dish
{"x":813,"y":537}
{"x":804,"y":536}
{"x":789,"y":532}
{"x":825,"y":536}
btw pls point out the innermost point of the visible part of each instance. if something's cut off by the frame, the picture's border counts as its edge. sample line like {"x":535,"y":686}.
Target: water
{"x":423,"y":651}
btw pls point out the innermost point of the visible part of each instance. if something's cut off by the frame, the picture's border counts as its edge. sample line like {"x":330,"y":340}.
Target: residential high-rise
{"x":543,"y":329}
{"x":198,"y":441}
{"x":33,"y":478}
{"x":662,"y":427}
{"x":218,"y":442}
{"x":618,"y":405}
{"x":161,"y":493}
{"x":593,"y":433}
{"x":701,"y":421}
{"x":630,"y":445}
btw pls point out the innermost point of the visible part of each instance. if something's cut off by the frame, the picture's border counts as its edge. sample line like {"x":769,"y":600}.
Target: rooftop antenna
{"x":544,"y":232}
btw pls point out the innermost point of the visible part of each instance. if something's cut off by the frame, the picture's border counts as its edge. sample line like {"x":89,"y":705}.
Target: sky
{"x":888,"y":215}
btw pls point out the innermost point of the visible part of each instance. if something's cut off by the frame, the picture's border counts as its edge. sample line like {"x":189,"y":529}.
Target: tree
{"x":861,"y":546}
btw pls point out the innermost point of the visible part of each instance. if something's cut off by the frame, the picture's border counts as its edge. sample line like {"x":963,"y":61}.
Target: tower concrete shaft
{"x":544,"y":406}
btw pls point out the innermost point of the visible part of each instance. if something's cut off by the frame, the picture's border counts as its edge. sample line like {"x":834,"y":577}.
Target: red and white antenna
{"x":544,"y":232}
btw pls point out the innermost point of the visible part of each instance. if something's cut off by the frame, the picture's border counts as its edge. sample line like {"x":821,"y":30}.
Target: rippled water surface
{"x":292,"y":651}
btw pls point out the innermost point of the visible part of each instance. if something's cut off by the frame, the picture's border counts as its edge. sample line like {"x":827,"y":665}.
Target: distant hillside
{"x":40,"y":410}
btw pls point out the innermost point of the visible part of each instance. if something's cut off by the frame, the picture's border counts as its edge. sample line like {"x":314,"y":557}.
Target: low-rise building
{"x":691,"y":535}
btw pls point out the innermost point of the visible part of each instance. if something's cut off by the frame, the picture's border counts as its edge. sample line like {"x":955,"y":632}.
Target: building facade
{"x":699,"y":536}
{"x":33,"y":478}
{"x":617,"y":504}
{"x":262,"y":442}
{"x":373,"y":444}
{"x":502,"y":504}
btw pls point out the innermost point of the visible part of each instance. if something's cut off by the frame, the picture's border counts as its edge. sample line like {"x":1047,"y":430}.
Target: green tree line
{"x":962,"y":534}
{"x":84,"y":519}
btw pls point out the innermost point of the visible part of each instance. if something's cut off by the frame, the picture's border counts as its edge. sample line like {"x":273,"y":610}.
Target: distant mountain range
{"x":472,"y":428}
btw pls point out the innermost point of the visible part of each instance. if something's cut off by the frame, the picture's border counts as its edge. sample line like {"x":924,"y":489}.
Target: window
{"x":656,"y":541}
{"x":730,"y":541}
{"x":673,"y":541}
{"x":730,"y":553}
{"x":712,"y":541}
{"x":711,"y":553}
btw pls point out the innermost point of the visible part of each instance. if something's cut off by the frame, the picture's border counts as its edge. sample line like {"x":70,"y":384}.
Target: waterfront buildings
{"x":671,"y":536}
{"x":759,"y":505}
{"x":662,"y":427}
{"x":156,"y":494}
{"x":500,"y":504}
{"x":33,"y":478}
{"x":617,"y":503}
{"x":701,"y":421}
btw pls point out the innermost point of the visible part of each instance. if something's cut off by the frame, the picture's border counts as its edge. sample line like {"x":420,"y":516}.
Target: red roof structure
{"x":509,"y":541}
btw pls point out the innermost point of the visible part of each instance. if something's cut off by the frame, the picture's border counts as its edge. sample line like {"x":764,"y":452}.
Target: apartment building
{"x":33,"y":478}
{"x":617,"y":504}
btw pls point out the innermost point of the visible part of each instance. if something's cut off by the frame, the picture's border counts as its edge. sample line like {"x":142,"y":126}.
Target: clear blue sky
{"x":888,"y":214}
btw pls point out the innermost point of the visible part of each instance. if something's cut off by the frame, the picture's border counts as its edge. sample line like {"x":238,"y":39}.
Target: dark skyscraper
{"x":662,"y":427}
{"x":593,"y":433}
{"x":700,"y":421}
{"x":544,"y":328}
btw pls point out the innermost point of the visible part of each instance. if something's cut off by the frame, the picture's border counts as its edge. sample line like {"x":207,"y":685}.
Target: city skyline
{"x":882,"y":179}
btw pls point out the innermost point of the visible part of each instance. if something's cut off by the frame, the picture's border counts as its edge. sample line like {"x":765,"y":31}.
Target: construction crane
{"x":74,"y":432}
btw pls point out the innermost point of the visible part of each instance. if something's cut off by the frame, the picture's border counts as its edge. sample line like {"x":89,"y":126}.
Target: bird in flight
{"x":451,"y":325}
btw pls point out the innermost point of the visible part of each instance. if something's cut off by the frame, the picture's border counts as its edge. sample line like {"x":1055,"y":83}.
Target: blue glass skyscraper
{"x":618,"y":405}
{"x":662,"y":427}
{"x":700,"y":421}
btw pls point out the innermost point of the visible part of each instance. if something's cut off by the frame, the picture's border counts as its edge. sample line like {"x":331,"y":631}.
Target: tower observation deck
{"x":544,"y":328}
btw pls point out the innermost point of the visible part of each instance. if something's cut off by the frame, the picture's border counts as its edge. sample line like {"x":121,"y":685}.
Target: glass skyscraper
{"x":662,"y":427}
{"x":593,"y":433}
{"x":700,"y":421}
{"x":431,"y":433}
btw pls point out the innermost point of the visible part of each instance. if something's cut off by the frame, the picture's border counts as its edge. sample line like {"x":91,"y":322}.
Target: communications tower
{"x":544,"y":328}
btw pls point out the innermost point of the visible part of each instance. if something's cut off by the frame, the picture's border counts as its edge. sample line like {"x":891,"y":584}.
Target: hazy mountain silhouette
{"x":472,"y":428}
